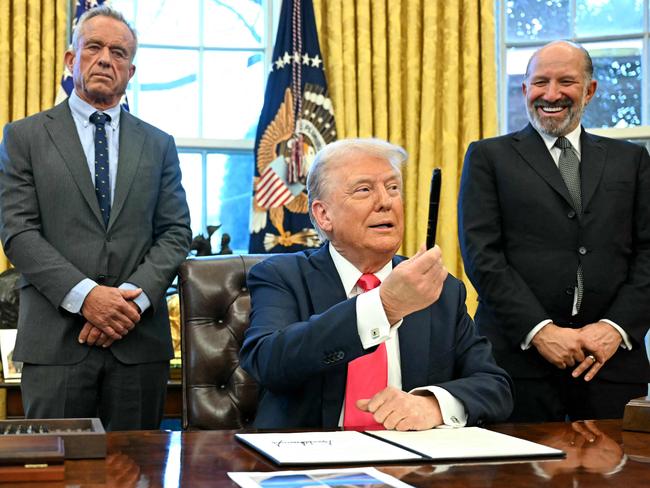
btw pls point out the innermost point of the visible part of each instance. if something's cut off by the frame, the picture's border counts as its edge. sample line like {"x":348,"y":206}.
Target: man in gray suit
{"x":93,"y":327}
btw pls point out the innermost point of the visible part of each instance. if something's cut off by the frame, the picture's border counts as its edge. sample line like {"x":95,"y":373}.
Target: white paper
{"x":466,"y":443}
{"x":321,"y":477}
{"x":336,"y":447}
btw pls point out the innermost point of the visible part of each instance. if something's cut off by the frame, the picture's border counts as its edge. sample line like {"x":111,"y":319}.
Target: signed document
{"x":339,"y":447}
{"x":379,"y":446}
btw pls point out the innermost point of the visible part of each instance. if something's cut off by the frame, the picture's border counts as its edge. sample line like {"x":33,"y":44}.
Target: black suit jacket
{"x":303,"y":333}
{"x":521,"y":242}
{"x":53,"y":232}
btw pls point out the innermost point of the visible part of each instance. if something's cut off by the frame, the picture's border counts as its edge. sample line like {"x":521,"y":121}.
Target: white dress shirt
{"x":574,"y":139}
{"x":374,"y":328}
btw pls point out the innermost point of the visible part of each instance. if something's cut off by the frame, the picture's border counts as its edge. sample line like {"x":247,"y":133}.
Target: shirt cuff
{"x":452,"y":410}
{"x":142,"y":300}
{"x":372,"y":324}
{"x":525,"y":344}
{"x":74,"y":299}
{"x":626,"y":344}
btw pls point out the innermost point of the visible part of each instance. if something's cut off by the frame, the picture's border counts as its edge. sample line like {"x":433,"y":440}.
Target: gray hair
{"x":589,"y":65}
{"x":345,"y":149}
{"x":102,"y":11}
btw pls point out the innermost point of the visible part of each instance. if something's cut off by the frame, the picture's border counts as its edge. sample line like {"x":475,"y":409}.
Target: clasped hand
{"x":589,"y":347}
{"x":110,"y":314}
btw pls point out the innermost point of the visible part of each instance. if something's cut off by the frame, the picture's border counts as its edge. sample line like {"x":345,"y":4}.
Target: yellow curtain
{"x":32,"y":43}
{"x":421,"y":74}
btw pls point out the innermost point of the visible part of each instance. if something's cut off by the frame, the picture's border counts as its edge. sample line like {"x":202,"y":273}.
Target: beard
{"x":553,"y":126}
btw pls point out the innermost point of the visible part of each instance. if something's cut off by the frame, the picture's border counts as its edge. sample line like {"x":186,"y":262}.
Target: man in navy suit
{"x":309,"y":324}
{"x":561,"y":263}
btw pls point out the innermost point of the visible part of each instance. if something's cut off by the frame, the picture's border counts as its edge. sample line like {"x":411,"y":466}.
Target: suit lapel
{"x":63,"y":132}
{"x":592,"y":164}
{"x":530,"y":146}
{"x":132,"y":138}
{"x":326,"y":290}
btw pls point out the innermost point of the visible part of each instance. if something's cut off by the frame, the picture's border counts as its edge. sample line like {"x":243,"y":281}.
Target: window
{"x":617,"y":36}
{"x":201,"y":71}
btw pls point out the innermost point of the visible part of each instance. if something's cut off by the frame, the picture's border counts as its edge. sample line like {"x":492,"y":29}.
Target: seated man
{"x":314,"y":340}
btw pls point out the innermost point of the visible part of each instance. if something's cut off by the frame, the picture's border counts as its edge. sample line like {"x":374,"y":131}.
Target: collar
{"x":350,"y":274}
{"x":573,"y":136}
{"x":82,"y":110}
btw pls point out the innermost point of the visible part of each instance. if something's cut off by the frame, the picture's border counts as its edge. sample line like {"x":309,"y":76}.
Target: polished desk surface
{"x":598,"y":454}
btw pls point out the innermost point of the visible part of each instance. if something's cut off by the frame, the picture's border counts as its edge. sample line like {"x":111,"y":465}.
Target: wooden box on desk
{"x":31,"y":458}
{"x":82,"y":438}
{"x":637,"y":415}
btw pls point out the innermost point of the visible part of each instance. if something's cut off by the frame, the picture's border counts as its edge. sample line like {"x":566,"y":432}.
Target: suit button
{"x":340,"y":355}
{"x":568,"y":291}
{"x":582,"y":250}
{"x":571,"y":214}
{"x":101,"y":279}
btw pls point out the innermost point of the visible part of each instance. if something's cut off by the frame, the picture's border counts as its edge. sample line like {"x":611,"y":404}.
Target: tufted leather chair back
{"x":215,"y":303}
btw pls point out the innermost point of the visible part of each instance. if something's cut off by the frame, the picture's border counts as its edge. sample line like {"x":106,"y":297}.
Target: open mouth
{"x":382,"y":226}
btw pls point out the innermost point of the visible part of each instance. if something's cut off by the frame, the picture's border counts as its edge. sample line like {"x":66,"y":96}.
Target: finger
{"x":363,"y":405}
{"x":393,"y":419}
{"x":101,"y":340}
{"x":582,"y":367}
{"x":130,"y":294}
{"x":593,"y":371}
{"x":83,"y":335}
{"x":108,"y":343}
{"x":93,"y":336}
{"x":404,"y":425}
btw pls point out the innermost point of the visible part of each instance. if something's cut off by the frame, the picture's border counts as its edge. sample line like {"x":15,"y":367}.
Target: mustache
{"x":562,"y":103}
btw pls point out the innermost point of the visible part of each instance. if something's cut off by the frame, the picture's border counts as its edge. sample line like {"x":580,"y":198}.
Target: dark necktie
{"x":367,"y":375}
{"x":102,"y":183}
{"x":569,"y":165}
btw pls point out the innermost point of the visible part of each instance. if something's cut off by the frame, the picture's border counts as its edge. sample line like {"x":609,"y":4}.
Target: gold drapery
{"x":421,"y":74}
{"x":32,"y":43}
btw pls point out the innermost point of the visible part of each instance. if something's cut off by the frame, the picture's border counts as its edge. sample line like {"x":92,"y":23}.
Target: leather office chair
{"x":214,"y":305}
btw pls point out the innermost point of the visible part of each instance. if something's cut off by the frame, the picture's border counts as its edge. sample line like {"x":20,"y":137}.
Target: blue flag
{"x":297,"y":120}
{"x":67,"y":84}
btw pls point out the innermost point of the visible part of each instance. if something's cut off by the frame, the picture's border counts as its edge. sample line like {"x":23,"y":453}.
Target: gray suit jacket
{"x":52,"y":231}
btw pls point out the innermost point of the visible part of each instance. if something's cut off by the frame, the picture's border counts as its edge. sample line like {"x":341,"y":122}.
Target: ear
{"x":68,"y":59}
{"x":321,"y":215}
{"x":131,"y":71}
{"x":591,"y":91}
{"x":524,"y":89}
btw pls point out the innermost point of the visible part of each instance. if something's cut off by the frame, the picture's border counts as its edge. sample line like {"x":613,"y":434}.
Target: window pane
{"x":233,"y":94}
{"x":168,"y":90}
{"x":233,"y":23}
{"x":607,"y":17}
{"x":193,"y":184}
{"x":516,"y":61}
{"x":168,"y":22}
{"x":537,"y":20}
{"x":229,"y":195}
{"x":618,"y":70}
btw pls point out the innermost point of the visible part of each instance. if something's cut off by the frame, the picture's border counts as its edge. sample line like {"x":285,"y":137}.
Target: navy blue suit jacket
{"x":303,"y":333}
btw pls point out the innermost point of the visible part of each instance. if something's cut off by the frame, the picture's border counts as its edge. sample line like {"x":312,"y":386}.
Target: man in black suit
{"x":554,"y":226}
{"x":311,"y":329}
{"x":94,"y":217}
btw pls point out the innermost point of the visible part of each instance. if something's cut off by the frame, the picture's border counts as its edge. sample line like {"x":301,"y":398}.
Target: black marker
{"x":434,"y":201}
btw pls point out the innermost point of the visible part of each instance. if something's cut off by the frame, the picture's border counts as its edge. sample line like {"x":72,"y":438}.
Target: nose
{"x":105,"y":56}
{"x":552,"y":92}
{"x":384,"y":200}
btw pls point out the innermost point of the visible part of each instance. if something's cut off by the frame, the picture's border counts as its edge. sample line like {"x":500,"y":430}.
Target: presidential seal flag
{"x":297,"y":120}
{"x":81,"y":6}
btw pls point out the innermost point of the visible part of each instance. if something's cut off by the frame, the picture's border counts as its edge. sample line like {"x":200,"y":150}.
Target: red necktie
{"x":367,"y":375}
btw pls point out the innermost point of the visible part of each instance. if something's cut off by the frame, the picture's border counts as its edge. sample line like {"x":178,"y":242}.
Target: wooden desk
{"x":173,"y":401}
{"x":196,"y":459}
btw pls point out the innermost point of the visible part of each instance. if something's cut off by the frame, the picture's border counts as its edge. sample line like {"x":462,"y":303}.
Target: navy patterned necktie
{"x":569,"y":165}
{"x":102,"y":184}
